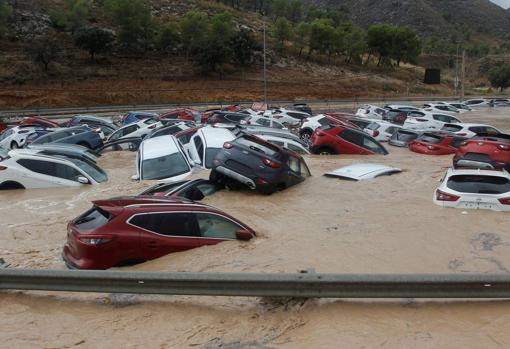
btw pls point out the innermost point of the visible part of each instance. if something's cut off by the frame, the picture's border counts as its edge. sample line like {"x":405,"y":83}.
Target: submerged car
{"x":259,"y":165}
{"x":484,"y":151}
{"x":333,"y":140}
{"x":130,"y":230}
{"x":474,"y":189}
{"x":16,"y":137}
{"x":402,"y":137}
{"x":194,"y":190}
{"x":80,"y":135}
{"x":30,"y":170}
{"x":470,"y":130}
{"x":430,"y":120}
{"x":361,"y":172}
{"x":436,"y":143}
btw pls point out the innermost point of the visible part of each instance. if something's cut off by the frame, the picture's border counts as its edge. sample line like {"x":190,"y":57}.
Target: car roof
{"x":159,"y":146}
{"x":215,"y":137}
{"x":494,"y":173}
{"x":145,"y":202}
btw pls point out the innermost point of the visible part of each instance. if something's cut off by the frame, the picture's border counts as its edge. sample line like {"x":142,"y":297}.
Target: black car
{"x":106,"y":126}
{"x":258,"y":164}
{"x":194,"y":190}
{"x":225,"y":117}
{"x":80,"y":135}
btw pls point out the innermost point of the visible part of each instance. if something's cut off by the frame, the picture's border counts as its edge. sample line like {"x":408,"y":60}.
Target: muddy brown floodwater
{"x":388,"y":225}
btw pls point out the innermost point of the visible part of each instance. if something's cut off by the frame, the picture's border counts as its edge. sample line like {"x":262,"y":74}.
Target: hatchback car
{"x":259,"y":165}
{"x":484,"y":151}
{"x":436,"y":143}
{"x":474,"y":189}
{"x":130,"y":230}
{"x":331,"y":140}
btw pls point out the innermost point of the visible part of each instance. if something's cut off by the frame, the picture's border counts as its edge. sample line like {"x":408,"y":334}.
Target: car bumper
{"x":78,"y":263}
{"x":236,"y":176}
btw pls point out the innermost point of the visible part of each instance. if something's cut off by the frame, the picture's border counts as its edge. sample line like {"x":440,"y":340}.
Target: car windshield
{"x":451,"y":128}
{"x":478,"y":184}
{"x":164,"y":167}
{"x":90,"y":168}
{"x":429,"y":138}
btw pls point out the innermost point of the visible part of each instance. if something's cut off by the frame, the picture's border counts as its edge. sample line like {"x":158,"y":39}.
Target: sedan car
{"x":331,"y":139}
{"x":474,"y":189}
{"x":436,"y":143}
{"x":130,"y":230}
{"x":259,"y":165}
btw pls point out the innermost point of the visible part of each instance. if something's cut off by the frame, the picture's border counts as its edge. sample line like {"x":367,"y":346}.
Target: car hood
{"x":361,"y":172}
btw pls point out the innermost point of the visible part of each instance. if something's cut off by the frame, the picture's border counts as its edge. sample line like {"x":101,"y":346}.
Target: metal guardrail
{"x":307,"y":285}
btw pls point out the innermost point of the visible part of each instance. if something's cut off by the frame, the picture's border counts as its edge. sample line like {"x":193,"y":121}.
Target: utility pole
{"x":456,"y":82}
{"x":265,"y":63}
{"x":463,"y":76}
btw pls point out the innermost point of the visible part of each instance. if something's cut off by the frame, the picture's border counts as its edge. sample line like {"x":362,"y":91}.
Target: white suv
{"x":16,"y":137}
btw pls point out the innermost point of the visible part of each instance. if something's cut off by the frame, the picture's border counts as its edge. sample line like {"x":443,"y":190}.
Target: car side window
{"x":294,"y":164}
{"x":169,"y":224}
{"x":51,"y":169}
{"x":491,"y":130}
{"x":116,"y":135}
{"x":295,"y":148}
{"x":214,"y":226}
{"x":199,"y":145}
{"x":305,"y":171}
{"x":371,"y":145}
{"x":351,"y":136}
{"x":281,"y":144}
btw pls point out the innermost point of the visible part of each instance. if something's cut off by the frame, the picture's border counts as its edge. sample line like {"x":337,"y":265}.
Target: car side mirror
{"x":135,"y":177}
{"x":243,"y":235}
{"x":83,"y":180}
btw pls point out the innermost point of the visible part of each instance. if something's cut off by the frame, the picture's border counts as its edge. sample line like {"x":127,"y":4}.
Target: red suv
{"x":333,"y":139}
{"x":39,"y":121}
{"x":129,"y":230}
{"x":182,"y":113}
{"x":484,"y":151}
{"x":436,"y":143}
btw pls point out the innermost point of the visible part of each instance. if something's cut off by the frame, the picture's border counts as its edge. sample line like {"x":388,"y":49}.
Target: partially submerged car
{"x":402,"y":137}
{"x":138,"y":129}
{"x":69,"y":150}
{"x":332,"y":140}
{"x":106,"y":126}
{"x":130,"y":230}
{"x":259,"y":165}
{"x":205,"y":144}
{"x":29,"y":170}
{"x":436,"y":143}
{"x":39,"y":121}
{"x":162,"y":158}
{"x":15,"y":137}
{"x":382,"y":130}
{"x":484,"y":151}
{"x":194,"y":190}
{"x":470,"y":130}
{"x":289,"y":144}
{"x":361,"y":172}
{"x":474,"y":189}
{"x":371,"y":112}
{"x":429,"y":121}
{"x":80,"y":135}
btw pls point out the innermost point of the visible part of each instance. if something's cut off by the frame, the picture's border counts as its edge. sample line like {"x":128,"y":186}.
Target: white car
{"x":470,"y":130}
{"x":162,"y":158}
{"x":474,"y":189}
{"x":15,"y":137}
{"x":460,"y":106}
{"x":441,"y":108}
{"x":29,"y":170}
{"x":286,"y":143}
{"x":140,"y":129}
{"x":479,"y":102}
{"x":286,"y":116}
{"x":382,"y":130}
{"x":429,"y":121}
{"x":259,"y":120}
{"x":310,"y":124}
{"x":371,"y":112}
{"x":401,"y":107}
{"x":206,"y":143}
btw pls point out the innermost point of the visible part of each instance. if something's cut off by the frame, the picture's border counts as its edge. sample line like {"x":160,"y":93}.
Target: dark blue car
{"x":105,"y":125}
{"x":135,"y":116}
{"x":80,"y":135}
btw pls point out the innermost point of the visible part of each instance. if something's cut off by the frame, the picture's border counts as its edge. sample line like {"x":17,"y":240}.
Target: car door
{"x":196,"y":149}
{"x":294,"y":172}
{"x":5,"y":139}
{"x":167,"y":232}
{"x":50,"y":173}
{"x":215,"y":228}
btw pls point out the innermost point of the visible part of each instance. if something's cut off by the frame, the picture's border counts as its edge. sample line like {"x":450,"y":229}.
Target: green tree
{"x":279,"y":8}
{"x":500,"y":77}
{"x":5,"y":13}
{"x":302,"y":36}
{"x":136,"y":26}
{"x":282,"y":32}
{"x":295,"y":10}
{"x":355,"y":45}
{"x":322,"y":36}
{"x":71,"y":16}
{"x":380,"y":41}
{"x":168,"y":38}
{"x":194,"y":27}
{"x":243,"y":47}
{"x":406,"y":45}
{"x":45,"y":49}
{"x":94,"y":40}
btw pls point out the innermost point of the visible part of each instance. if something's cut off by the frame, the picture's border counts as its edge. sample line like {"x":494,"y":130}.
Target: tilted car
{"x":474,"y":189}
{"x":80,"y":135}
{"x":290,"y":144}
{"x":371,"y":112}
{"x":194,"y":190}
{"x":27,"y":170}
{"x":332,"y":140}
{"x":130,"y":230}
{"x":16,"y":137}
{"x":402,"y":137}
{"x":470,"y":130}
{"x":205,"y":144}
{"x":226,"y":117}
{"x":259,"y":165}
{"x":138,"y":129}
{"x":94,"y":122}
{"x":484,"y":151}
{"x":39,"y":121}
{"x":430,"y":120}
{"x":436,"y":143}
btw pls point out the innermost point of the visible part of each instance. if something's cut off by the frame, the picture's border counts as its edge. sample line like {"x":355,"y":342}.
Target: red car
{"x":436,"y":143}
{"x":334,"y":139}
{"x":39,"y":121}
{"x":188,"y":114}
{"x":484,"y":151}
{"x":130,"y":230}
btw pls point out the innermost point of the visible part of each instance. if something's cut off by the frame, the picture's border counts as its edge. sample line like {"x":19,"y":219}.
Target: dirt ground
{"x":388,"y":225}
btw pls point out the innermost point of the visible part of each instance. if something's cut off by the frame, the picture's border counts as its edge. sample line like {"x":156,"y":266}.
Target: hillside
{"x":429,"y":17}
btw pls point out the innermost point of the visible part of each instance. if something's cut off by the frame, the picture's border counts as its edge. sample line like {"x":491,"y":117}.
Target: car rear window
{"x":479,"y":184}
{"x":92,"y":219}
{"x":429,"y":138}
{"x":451,"y":128}
{"x":262,"y":148}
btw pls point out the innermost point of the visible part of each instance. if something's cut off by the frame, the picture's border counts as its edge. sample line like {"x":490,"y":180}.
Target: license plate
{"x":477,"y":205}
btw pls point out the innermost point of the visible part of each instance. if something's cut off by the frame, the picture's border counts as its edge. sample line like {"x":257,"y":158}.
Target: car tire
{"x":326,"y":151}
{"x":305,"y":136}
{"x":14,"y":145}
{"x":217,"y":178}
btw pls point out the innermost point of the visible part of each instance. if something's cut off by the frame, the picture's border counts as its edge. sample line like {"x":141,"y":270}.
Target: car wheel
{"x":217,"y":178}
{"x":305,"y":136}
{"x":325,"y":151}
{"x":14,"y":145}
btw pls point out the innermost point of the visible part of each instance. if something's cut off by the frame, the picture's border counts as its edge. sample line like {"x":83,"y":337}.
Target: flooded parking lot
{"x":387,"y":225}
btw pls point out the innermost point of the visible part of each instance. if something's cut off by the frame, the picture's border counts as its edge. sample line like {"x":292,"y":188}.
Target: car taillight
{"x":463,"y":143}
{"x":228,"y":145}
{"x":442,"y":196}
{"x":504,"y":201}
{"x":96,"y":240}
{"x":431,"y":147}
{"x":153,"y":126}
{"x":2,"y":168}
{"x":376,"y":133}
{"x":270,"y":163}
{"x":503,"y":147}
